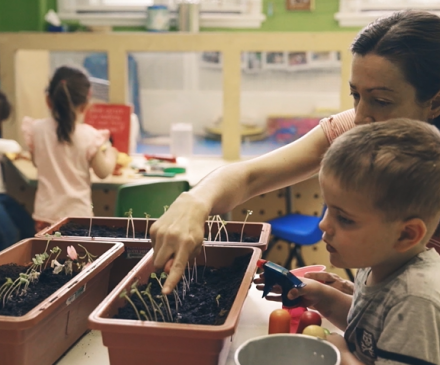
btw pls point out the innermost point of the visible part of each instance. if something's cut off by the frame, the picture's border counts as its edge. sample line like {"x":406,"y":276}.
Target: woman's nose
{"x":362,"y":116}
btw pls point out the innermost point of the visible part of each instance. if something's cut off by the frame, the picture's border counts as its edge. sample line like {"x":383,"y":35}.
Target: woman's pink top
{"x":337,"y":124}
{"x":64,"y":186}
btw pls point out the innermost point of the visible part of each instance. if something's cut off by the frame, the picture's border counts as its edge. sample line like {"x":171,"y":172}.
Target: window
{"x":358,"y":13}
{"x":213,"y":13}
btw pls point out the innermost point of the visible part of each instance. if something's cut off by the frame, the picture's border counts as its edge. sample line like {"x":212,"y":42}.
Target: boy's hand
{"x":333,"y":280}
{"x":310,"y":295}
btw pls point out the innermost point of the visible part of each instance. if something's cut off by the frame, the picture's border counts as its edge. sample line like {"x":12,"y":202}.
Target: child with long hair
{"x":63,"y":150}
{"x":15,"y":221}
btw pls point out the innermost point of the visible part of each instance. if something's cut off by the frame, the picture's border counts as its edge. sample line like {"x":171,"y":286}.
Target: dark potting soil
{"x":75,"y":229}
{"x":47,"y":284}
{"x":208,"y":301}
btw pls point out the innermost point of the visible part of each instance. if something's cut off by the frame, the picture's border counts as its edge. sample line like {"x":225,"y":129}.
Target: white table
{"x":253,"y":322}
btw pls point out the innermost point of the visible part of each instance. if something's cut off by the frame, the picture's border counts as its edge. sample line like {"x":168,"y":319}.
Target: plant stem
{"x":149,"y":317}
{"x":249,"y":212}
{"x":124,"y":295}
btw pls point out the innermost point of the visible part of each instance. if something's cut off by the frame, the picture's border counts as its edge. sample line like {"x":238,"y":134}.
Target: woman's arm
{"x":179,"y":232}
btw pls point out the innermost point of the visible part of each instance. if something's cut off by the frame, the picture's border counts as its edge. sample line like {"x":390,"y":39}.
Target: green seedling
{"x":249,"y":212}
{"x":154,"y":305}
{"x":88,"y":255}
{"x":22,"y":280}
{"x":55,"y":251}
{"x":90,"y":226}
{"x":217,"y":299}
{"x":164,"y":297}
{"x":127,"y":298}
{"x":134,"y":290}
{"x":5,"y":287}
{"x":147,"y":216}
{"x":129,"y":214}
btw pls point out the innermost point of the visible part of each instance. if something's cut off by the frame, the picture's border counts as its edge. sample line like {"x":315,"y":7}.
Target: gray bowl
{"x":287,"y":349}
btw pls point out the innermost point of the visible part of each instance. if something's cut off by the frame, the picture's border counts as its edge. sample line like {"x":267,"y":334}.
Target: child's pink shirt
{"x":338,"y":124}
{"x":64,"y":186}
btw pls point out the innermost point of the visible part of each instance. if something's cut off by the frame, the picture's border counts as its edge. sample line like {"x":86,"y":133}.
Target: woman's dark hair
{"x":68,"y":89}
{"x":411,"y":40}
{"x":5,"y":107}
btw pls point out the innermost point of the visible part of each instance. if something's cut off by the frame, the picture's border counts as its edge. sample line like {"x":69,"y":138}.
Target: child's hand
{"x":311,"y":294}
{"x":333,"y":280}
{"x":337,"y":340}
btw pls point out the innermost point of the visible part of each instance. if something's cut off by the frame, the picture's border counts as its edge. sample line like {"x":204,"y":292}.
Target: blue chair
{"x":298,"y":230}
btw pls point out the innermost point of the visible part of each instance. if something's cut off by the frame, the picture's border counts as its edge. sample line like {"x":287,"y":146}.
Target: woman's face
{"x":380,"y":92}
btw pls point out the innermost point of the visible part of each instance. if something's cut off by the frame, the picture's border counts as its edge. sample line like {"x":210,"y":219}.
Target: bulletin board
{"x":115,"y":118}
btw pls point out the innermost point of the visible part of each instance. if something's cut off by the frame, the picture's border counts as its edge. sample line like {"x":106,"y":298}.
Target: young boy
{"x":15,"y":222}
{"x":381,"y":185}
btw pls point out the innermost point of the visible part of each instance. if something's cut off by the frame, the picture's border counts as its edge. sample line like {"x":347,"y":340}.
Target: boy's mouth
{"x":330,"y":248}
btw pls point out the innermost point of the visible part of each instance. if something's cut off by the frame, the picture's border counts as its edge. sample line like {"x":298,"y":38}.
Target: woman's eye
{"x":382,"y":102}
{"x":354,"y":95}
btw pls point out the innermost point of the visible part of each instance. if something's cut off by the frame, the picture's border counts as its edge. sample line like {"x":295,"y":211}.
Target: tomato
{"x":279,"y":321}
{"x":315,"y":331}
{"x":308,"y":318}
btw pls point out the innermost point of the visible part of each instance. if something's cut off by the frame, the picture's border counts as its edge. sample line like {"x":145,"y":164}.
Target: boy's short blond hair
{"x":395,"y":163}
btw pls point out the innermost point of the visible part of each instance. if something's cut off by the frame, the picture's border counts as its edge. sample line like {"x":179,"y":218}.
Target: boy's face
{"x":355,"y":232}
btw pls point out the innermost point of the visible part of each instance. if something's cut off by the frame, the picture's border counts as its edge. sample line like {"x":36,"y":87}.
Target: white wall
{"x":179,"y":87}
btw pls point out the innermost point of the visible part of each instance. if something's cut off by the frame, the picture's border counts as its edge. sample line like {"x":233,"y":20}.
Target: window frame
{"x":248,"y":14}
{"x":359,"y":13}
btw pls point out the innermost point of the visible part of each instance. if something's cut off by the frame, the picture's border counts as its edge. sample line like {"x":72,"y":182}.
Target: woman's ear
{"x":435,"y":105}
{"x":412,"y":233}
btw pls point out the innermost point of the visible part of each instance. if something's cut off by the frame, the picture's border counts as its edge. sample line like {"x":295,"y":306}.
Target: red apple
{"x":308,"y":318}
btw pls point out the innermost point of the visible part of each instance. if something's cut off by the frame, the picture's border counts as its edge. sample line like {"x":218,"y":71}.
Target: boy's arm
{"x":334,"y":305}
{"x":347,"y":358}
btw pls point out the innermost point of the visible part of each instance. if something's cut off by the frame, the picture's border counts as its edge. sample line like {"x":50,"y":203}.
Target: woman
{"x":395,"y":73}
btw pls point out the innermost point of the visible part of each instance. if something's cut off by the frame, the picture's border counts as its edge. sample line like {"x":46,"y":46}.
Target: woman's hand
{"x":177,"y":237}
{"x":333,"y":280}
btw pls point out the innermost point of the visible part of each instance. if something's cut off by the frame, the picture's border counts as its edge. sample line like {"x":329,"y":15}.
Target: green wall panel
{"x":24,"y":15}
{"x":28,"y":15}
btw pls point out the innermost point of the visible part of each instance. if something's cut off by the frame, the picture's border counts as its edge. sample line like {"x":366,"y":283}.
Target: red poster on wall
{"x":115,"y":118}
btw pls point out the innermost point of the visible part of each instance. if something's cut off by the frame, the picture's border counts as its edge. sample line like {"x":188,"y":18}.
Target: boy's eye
{"x":344,"y":220}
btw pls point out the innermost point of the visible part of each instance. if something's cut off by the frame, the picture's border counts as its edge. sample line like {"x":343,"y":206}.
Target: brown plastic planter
{"x":136,"y":248}
{"x":43,"y":334}
{"x":253,"y":229}
{"x":155,"y":343}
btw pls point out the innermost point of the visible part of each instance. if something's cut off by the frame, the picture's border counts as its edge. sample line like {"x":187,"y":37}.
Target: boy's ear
{"x":413,"y":231}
